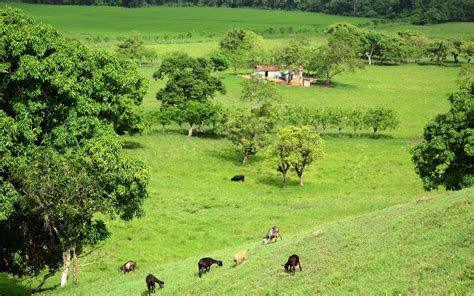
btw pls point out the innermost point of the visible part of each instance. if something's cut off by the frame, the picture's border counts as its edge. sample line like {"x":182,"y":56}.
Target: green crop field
{"x":362,"y":223}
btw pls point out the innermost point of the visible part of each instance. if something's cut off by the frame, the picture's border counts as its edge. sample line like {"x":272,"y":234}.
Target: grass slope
{"x":423,"y":247}
{"x":119,"y":21}
{"x":204,"y":23}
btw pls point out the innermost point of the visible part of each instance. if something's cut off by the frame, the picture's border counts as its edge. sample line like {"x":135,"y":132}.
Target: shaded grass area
{"x":422,"y":247}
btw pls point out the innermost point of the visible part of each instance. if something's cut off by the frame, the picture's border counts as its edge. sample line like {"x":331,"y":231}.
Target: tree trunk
{"x":190,"y":132}
{"x":66,"y":263}
{"x":375,"y":130}
{"x":164,"y":128}
{"x":246,"y":157}
{"x":284,"y":178}
{"x":74,"y":265}
{"x":369,"y":57}
{"x":328,"y":79}
{"x":301,"y":180}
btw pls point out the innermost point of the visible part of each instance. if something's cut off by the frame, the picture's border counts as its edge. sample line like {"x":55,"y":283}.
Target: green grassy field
{"x":423,"y":247}
{"x":194,"y":211}
{"x":117,"y":21}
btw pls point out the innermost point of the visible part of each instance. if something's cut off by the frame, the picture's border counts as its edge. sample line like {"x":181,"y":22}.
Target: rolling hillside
{"x":422,"y":247}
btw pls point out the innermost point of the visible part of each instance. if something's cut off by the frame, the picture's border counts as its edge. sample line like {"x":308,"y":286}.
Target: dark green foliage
{"x":189,"y":79}
{"x":189,"y":88}
{"x":219,"y":62}
{"x":445,"y":157}
{"x":60,"y":159}
{"x":45,"y":73}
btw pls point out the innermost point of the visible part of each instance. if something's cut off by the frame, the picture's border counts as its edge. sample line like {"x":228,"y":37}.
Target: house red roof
{"x":260,"y":68}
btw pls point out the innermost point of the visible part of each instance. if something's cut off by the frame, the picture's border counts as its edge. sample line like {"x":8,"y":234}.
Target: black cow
{"x":205,"y":264}
{"x":238,"y":178}
{"x":292,"y":262}
{"x":150,"y":283}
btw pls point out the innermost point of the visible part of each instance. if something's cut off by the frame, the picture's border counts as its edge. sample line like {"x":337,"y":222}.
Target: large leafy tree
{"x":328,"y":61}
{"x":190,"y":87}
{"x":61,"y":105}
{"x":296,"y":147}
{"x":340,"y":54}
{"x":46,"y":72}
{"x":294,"y":54}
{"x":248,"y":132}
{"x":242,"y":48}
{"x":262,"y":95}
{"x":445,"y":157}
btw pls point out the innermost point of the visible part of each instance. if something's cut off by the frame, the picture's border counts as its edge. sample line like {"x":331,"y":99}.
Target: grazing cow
{"x":272,"y":233}
{"x":292,"y":262}
{"x":205,"y":264}
{"x":238,"y":178}
{"x":150,"y":283}
{"x":128,"y":266}
{"x":240,"y":257}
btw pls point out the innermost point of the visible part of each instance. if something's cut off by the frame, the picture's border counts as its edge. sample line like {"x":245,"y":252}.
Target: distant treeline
{"x":420,"y":11}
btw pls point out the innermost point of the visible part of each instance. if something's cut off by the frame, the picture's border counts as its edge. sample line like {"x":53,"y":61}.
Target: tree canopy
{"x":61,"y":107}
{"x":242,"y":48}
{"x":296,"y":147}
{"x":445,"y":157}
{"x":190,"y":87}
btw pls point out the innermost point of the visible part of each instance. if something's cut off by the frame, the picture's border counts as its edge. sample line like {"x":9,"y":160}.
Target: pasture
{"x":367,"y":243}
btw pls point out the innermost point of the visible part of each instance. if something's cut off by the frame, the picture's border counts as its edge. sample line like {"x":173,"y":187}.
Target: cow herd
{"x":204,"y":264}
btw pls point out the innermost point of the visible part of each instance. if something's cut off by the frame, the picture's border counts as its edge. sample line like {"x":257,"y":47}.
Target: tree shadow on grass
{"x":444,"y":64}
{"x":157,"y":288}
{"x":130,"y":145}
{"x":228,"y":155}
{"x":277,"y":181}
{"x":355,"y":136}
{"x":12,"y":286}
{"x":207,"y":135}
{"x":336,"y":85}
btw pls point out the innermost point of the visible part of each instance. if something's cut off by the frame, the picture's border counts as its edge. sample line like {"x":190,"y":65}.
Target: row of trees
{"x":61,"y":163}
{"x":420,"y":11}
{"x":377,"y":119}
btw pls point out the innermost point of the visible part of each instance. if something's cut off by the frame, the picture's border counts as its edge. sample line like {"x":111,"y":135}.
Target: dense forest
{"x":419,"y":11}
